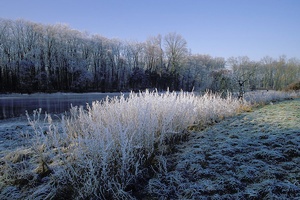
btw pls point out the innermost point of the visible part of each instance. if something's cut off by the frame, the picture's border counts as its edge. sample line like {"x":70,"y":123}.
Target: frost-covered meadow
{"x":253,"y":155}
{"x":111,"y":149}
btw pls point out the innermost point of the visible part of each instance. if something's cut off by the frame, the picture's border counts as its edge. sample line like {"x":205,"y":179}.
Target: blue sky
{"x":253,"y":28}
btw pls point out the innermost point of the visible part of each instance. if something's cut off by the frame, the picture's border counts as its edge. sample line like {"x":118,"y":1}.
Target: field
{"x":174,"y":145}
{"x":253,"y":155}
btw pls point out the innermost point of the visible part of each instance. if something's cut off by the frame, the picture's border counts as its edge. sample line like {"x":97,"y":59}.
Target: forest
{"x":56,"y":58}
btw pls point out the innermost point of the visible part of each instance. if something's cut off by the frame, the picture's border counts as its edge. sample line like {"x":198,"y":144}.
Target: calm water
{"x":15,"y":105}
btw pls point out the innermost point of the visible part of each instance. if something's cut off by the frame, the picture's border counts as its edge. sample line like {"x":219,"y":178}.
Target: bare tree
{"x":243,"y":73}
{"x":154,"y":53}
{"x":176,"y":52}
{"x":56,"y":57}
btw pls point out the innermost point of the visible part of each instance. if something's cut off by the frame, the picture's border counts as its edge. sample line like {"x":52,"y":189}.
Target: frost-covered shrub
{"x":101,"y":151}
{"x":262,"y":97}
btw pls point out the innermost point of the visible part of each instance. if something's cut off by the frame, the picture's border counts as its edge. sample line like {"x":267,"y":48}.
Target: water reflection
{"x":15,"y":105}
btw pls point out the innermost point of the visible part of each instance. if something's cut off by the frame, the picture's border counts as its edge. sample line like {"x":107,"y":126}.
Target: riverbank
{"x":11,"y":136}
{"x":102,"y":152}
{"x":253,"y":155}
{"x":237,"y":158}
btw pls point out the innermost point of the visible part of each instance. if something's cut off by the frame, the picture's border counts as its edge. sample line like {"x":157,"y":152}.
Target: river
{"x":16,"y":105}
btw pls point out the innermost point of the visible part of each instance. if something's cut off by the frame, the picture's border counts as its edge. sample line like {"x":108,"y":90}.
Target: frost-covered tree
{"x":154,"y":53}
{"x":176,"y":52}
{"x":63,"y":59}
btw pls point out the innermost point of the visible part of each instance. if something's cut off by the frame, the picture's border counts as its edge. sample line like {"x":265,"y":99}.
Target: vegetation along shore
{"x":157,"y":145}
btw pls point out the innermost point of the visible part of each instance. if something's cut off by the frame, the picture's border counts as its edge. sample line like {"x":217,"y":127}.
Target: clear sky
{"x":253,"y":28}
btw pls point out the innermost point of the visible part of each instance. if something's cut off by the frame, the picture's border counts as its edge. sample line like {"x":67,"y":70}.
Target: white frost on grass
{"x":251,"y":156}
{"x":265,"y":96}
{"x":103,"y":151}
{"x":109,"y":149}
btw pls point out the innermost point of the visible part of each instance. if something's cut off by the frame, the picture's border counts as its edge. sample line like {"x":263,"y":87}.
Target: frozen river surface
{"x":15,"y":105}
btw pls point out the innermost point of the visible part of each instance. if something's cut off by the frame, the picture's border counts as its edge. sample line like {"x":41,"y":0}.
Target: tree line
{"x":50,"y":58}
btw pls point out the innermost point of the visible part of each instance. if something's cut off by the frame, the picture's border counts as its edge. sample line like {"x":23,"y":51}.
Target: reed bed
{"x":103,"y":150}
{"x":111,"y":148}
{"x":264,"y":96}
